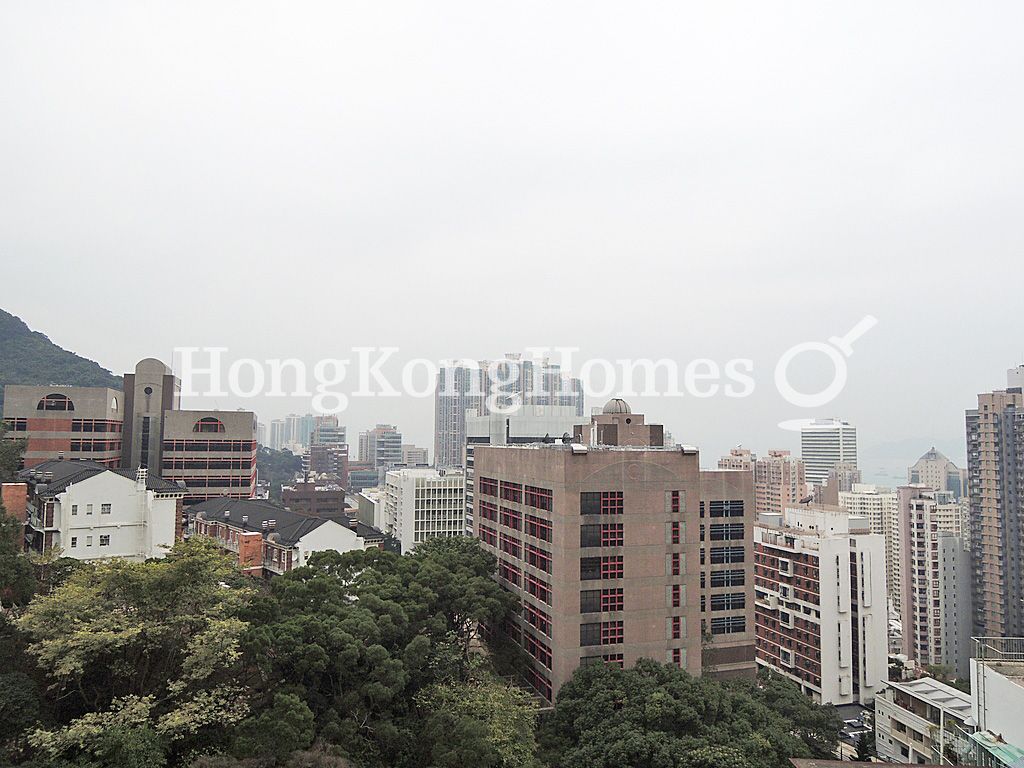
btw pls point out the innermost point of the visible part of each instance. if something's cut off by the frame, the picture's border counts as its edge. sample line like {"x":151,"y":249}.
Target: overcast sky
{"x":680,"y":180}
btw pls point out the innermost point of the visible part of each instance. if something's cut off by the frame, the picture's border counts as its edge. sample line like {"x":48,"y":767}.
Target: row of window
{"x":730,"y":578}
{"x":538,"y":527}
{"x":95,"y":446}
{"x":231,"y":446}
{"x":538,"y":498}
{"x":246,"y":463}
{"x":104,"y":541}
{"x":721,"y":508}
{"x":723,"y":532}
{"x":723,"y":555}
{"x":727,"y":601}
{"x":104,"y":509}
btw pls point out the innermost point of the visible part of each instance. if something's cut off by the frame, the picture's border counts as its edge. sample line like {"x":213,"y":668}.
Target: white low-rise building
{"x":90,"y":511}
{"x":922,"y":721}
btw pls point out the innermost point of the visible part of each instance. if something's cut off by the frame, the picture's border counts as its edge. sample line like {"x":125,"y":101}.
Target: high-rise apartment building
{"x":423,"y":503}
{"x":880,"y":506}
{"x":66,"y":423}
{"x":486,"y":387}
{"x":381,"y":446}
{"x":934,"y":589}
{"x":277,"y":435}
{"x":779,"y":478}
{"x":937,"y":472}
{"x":825,"y":443}
{"x":619,"y":548}
{"x":820,"y":602}
{"x":995,"y":465}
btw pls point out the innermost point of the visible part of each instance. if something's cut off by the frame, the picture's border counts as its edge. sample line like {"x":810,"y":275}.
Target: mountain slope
{"x":28,"y":357}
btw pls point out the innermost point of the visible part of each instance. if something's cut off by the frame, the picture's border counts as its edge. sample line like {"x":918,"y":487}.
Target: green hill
{"x":28,"y":357}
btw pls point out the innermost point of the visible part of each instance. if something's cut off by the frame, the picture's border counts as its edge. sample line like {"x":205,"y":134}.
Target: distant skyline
{"x":461,"y":180}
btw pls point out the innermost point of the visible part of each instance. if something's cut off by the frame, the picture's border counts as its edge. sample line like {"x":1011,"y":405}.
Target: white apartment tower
{"x":825,"y":443}
{"x":820,"y":602}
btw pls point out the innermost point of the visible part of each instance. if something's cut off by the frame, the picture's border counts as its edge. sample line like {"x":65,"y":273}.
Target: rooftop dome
{"x":616,"y":405}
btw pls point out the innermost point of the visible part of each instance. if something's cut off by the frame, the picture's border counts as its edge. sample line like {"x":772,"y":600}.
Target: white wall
{"x":139,"y":524}
{"x":329,"y":536}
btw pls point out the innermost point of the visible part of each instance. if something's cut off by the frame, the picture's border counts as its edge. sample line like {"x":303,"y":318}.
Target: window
{"x":537,"y":649}
{"x":728,"y":601}
{"x":612,"y":535}
{"x":676,"y":563}
{"x":590,"y":634}
{"x":612,"y":599}
{"x":590,"y":535}
{"x":676,"y":502}
{"x":726,"y":625}
{"x":612,"y":632}
{"x":208,"y":424}
{"x":601,"y":503}
{"x":539,"y":589}
{"x":488,"y":511}
{"x":104,"y":509}
{"x":488,"y":486}
{"x":590,"y":568}
{"x":538,"y":558}
{"x":723,"y":508}
{"x":55,"y":402}
{"x":88,"y":509}
{"x":488,"y":535}
{"x":74,"y":542}
{"x":726,"y":531}
{"x":74,"y":509}
{"x":509,"y":572}
{"x":730,"y":578}
{"x":510,"y":518}
{"x":538,"y":498}
{"x":727,"y":555}
{"x":601,"y":600}
{"x":677,"y":627}
{"x":677,"y":656}
{"x":611,"y":567}
{"x":512,"y":492}
{"x":675,"y":536}
{"x":537,"y":618}
{"x":88,"y":541}
{"x":510,"y":546}
{"x":677,"y":595}
{"x":538,"y":527}
{"x":105,"y":540}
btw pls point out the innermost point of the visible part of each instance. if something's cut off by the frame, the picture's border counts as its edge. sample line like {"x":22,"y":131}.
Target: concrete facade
{"x":73,"y":423}
{"x":212,"y":452}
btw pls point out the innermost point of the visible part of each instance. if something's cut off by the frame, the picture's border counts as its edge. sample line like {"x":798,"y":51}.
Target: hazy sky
{"x":677,"y":180}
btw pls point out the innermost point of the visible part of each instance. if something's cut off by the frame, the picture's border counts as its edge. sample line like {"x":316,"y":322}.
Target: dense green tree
{"x":17,"y":577}
{"x":283,"y":728}
{"x":277,"y":467}
{"x":358,"y":635}
{"x":141,"y":656}
{"x":866,"y":746}
{"x":658,"y":716}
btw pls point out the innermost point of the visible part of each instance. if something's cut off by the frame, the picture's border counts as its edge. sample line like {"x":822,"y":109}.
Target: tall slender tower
{"x":995,"y":471}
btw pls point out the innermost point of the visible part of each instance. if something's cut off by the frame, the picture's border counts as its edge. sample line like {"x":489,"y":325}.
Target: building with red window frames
{"x":820,"y":602}
{"x":65,"y":423}
{"x":619,"y":548}
{"x":212,"y":453}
